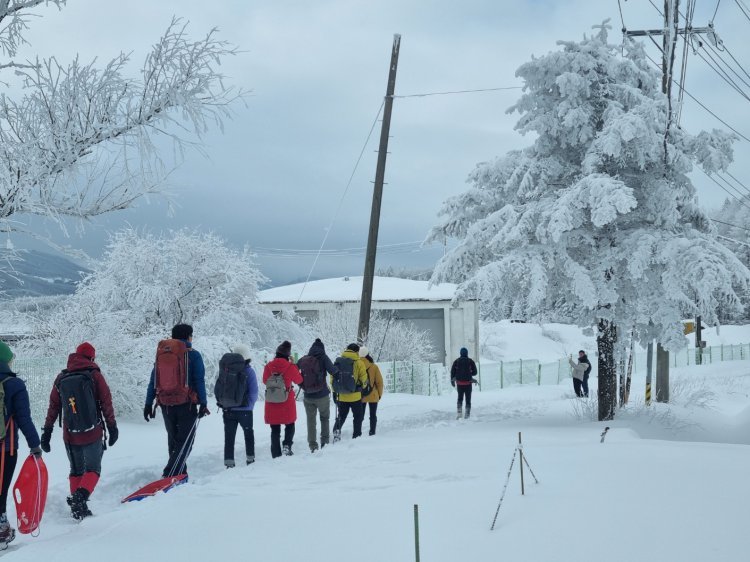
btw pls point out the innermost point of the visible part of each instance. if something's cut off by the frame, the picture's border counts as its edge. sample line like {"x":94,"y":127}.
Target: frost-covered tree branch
{"x":81,"y":140}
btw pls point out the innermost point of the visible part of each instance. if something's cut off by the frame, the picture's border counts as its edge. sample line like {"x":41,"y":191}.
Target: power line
{"x":717,"y":51}
{"x":458,"y":92}
{"x":738,"y":182}
{"x":715,"y":11}
{"x":745,"y":11}
{"x":740,"y":200}
{"x":730,"y":224}
{"x":622,"y":19}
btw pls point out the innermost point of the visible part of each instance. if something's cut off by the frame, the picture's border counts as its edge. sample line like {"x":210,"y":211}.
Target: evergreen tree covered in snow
{"x":144,"y":285}
{"x":733,"y":225}
{"x":594,"y":218}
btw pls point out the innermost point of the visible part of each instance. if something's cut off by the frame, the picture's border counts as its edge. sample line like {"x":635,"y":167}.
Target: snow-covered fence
{"x":408,"y":377}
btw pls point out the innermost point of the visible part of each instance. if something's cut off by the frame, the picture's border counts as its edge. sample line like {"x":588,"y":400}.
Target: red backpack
{"x":171,"y":373}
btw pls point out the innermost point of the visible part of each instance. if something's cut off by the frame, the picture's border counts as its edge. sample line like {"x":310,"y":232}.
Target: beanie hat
{"x":87,"y":350}
{"x":464,"y":352}
{"x":363,"y":351}
{"x":285,"y":349}
{"x":353,"y":347}
{"x":6,"y":355}
{"x":241,"y":349}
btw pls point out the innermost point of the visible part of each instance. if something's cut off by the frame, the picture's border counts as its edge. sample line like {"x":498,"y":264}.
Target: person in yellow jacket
{"x":376,"y":388}
{"x":348,"y":380}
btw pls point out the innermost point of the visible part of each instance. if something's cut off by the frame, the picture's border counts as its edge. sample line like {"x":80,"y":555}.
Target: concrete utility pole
{"x":698,"y":341}
{"x":649,"y":370}
{"x":377,"y":197}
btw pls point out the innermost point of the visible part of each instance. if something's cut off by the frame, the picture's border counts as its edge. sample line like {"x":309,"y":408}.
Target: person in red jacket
{"x":282,"y":413}
{"x":82,"y":423}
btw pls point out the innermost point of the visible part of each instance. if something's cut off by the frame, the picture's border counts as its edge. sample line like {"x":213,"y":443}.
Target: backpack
{"x":80,"y":409}
{"x":313,"y":376}
{"x":231,"y":386}
{"x":343,"y":380}
{"x":368,"y":388}
{"x":276,"y":389}
{"x":3,"y":427}
{"x":170,"y":373}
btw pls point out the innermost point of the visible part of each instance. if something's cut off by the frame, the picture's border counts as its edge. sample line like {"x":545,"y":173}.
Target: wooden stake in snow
{"x":416,"y":532}
{"x":520,"y":461}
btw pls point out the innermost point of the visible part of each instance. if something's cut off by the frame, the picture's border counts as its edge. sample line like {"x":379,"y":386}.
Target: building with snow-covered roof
{"x":450,"y":323}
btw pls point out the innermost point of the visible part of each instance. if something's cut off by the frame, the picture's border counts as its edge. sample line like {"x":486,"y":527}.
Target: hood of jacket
{"x":78,"y":362}
{"x":317,"y":349}
{"x":351,"y":354}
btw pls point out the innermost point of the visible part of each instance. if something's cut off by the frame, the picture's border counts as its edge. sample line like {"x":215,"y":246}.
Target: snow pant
{"x":585,"y":385}
{"x":313,"y":407}
{"x":85,"y":465}
{"x":577,"y":383}
{"x":179,"y":422}
{"x":9,"y":467}
{"x":243,"y":418}
{"x":276,"y":438}
{"x":464,"y":390}
{"x":358,"y":413}
{"x":373,"y":415}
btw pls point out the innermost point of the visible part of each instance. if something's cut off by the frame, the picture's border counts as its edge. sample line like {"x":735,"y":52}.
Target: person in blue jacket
{"x":179,"y":419}
{"x":17,"y":416}
{"x":241,"y":415}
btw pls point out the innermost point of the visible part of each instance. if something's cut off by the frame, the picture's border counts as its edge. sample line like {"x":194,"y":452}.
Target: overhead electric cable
{"x":458,"y":92}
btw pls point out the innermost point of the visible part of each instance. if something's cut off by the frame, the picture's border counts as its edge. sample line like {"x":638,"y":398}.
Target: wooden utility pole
{"x":377,"y":197}
{"x":698,"y":341}
{"x":662,"y":374}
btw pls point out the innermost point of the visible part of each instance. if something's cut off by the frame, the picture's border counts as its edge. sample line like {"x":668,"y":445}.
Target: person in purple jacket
{"x":241,"y":415}
{"x":17,"y":416}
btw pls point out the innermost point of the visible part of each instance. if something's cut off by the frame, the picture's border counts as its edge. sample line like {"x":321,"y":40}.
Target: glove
{"x":475,"y":381}
{"x":453,"y":383}
{"x":204,"y":411}
{"x":114,"y":433}
{"x":46,"y":436}
{"x":37,"y":452}
{"x":148,"y":413}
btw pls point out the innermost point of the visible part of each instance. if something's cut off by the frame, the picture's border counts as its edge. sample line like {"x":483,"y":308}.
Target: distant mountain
{"x":31,"y":273}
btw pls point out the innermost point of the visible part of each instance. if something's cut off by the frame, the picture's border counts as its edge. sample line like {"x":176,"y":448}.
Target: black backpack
{"x":343,"y":379}
{"x":231,"y":390}
{"x":313,"y":375}
{"x":80,"y":409}
{"x":368,"y":388}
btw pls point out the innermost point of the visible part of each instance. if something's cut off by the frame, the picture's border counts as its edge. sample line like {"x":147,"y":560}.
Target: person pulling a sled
{"x":81,"y":396}
{"x":463,"y":372}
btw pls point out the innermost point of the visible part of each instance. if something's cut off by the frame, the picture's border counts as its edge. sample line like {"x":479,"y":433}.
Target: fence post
{"x":429,"y":379}
{"x":394,"y":376}
{"x":687,"y":352}
{"x":559,"y":366}
{"x":539,"y":374}
{"x":722,"y":352}
{"x":479,"y":376}
{"x":520,"y":377}
{"x":412,"y":377}
{"x":711,"y":354}
{"x":732,"y":348}
{"x":501,"y":375}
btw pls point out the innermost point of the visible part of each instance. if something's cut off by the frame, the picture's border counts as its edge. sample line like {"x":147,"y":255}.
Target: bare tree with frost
{"x":79,"y":139}
{"x":594,"y":216}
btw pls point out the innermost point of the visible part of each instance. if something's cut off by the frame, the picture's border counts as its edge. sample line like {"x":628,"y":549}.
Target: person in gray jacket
{"x":314,"y":367}
{"x":581,"y":371}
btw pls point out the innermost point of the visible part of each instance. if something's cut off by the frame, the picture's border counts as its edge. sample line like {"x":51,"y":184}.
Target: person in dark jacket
{"x":581,"y":373}
{"x":180,"y":420}
{"x":241,"y":415}
{"x":463,"y":372}
{"x":283,"y":413}
{"x":84,"y":448}
{"x":318,"y":400}
{"x":17,"y":416}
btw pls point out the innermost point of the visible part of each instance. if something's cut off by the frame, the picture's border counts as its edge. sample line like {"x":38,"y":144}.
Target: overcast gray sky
{"x":318,"y":70}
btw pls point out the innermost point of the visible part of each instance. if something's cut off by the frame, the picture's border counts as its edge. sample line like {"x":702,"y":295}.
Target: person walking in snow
{"x":81,"y":394}
{"x":17,"y":416}
{"x":581,"y":371}
{"x":375,"y":388}
{"x":178,"y":384}
{"x":281,"y":407}
{"x":348,"y":381}
{"x":463,"y":372}
{"x":235,"y":371}
{"x":314,"y":367}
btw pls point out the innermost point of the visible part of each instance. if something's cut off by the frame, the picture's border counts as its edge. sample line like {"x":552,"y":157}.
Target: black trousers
{"x":276,"y":438}
{"x":577,"y":383}
{"x":8,"y":470}
{"x":179,"y":422}
{"x":358,"y":413}
{"x":373,"y":415}
{"x":243,"y":418}
{"x":464,"y":391}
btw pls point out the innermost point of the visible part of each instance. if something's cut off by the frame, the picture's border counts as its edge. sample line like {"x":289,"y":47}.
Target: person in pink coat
{"x":281,"y":413}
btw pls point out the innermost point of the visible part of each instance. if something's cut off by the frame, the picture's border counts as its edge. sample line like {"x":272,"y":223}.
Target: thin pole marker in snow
{"x":604,"y":434}
{"x":522,"y":460}
{"x":416,"y":532}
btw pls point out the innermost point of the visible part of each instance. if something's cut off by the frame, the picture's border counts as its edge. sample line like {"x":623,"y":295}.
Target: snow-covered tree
{"x":143,"y":286}
{"x":594,"y":216}
{"x":732,"y":224}
{"x":79,"y":140}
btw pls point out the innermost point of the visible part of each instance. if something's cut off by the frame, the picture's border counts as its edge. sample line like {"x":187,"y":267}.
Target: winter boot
{"x":468,"y":412}
{"x":336,"y":435}
{"x":229,"y":463}
{"x":79,"y":508}
{"x":313,"y":447}
{"x":7,"y":534}
{"x":459,"y":413}
{"x":250,"y":459}
{"x":286,"y":450}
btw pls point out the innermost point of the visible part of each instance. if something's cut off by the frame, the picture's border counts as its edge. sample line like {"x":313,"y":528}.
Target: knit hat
{"x":6,"y":355}
{"x":242,"y":349}
{"x":363,"y":351}
{"x":285,"y":349}
{"x":87,"y":350}
{"x":464,"y":352}
{"x":353,"y":347}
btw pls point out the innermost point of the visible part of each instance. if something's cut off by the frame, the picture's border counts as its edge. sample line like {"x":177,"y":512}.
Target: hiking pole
{"x":505,"y":487}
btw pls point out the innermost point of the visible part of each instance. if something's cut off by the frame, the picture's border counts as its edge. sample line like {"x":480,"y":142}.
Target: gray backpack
{"x":276,"y":389}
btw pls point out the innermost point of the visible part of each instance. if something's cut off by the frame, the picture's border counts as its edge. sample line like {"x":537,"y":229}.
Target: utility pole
{"x":698,"y":341}
{"x":649,"y":370}
{"x":377,"y":197}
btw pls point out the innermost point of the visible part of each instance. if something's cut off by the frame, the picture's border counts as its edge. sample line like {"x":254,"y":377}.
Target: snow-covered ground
{"x":669,"y":483}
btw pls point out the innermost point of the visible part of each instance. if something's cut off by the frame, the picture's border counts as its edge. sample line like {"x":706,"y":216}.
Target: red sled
{"x":30,"y":494}
{"x":161,"y":485}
